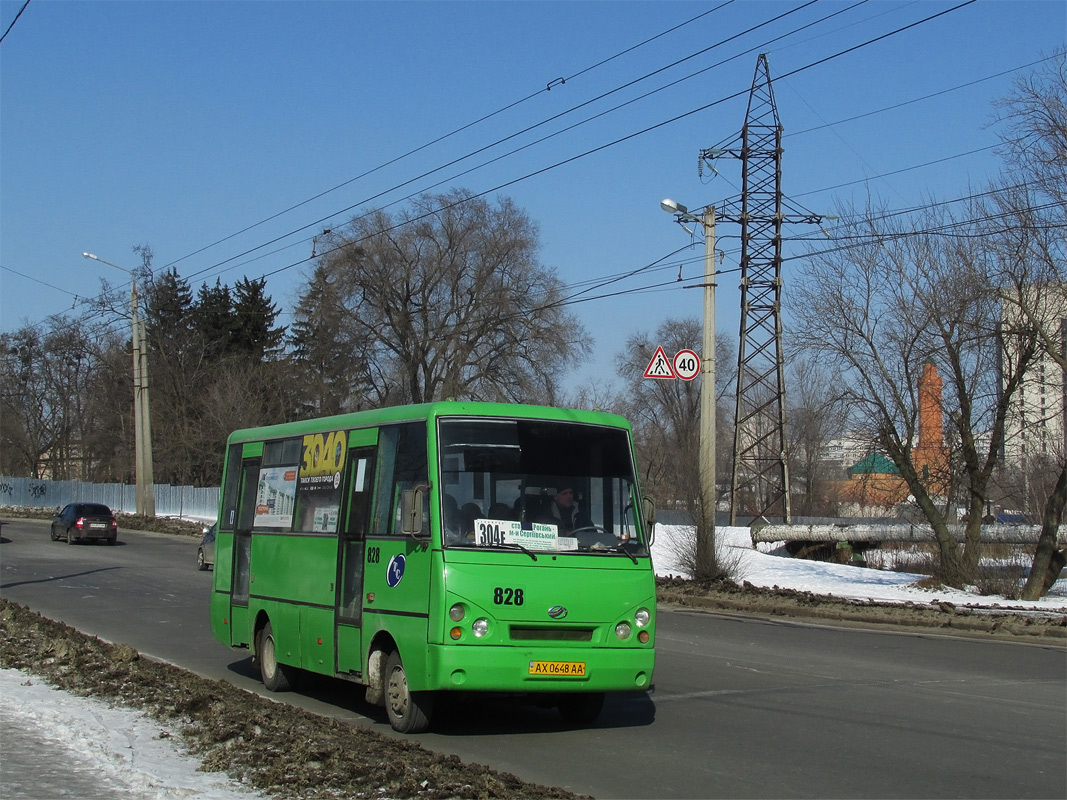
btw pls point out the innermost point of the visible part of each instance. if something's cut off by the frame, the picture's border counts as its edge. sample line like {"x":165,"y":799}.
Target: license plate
{"x":97,"y":525}
{"x":566,"y":669}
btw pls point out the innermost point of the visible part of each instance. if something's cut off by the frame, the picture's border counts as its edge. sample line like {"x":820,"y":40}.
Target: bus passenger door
{"x":242,"y":551}
{"x":351,"y":544}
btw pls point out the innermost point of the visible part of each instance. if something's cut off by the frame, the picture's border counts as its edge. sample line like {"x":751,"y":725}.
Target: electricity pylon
{"x":760,"y":461}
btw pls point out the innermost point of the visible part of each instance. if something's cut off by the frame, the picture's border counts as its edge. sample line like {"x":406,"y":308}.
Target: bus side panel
{"x":349,"y":641}
{"x":316,"y":631}
{"x":221,"y":623}
{"x":396,"y":597}
{"x":301,"y":569}
{"x":240,"y":626}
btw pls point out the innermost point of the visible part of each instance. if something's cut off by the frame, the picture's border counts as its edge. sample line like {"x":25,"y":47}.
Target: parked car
{"x":85,"y":521}
{"x":205,"y":553}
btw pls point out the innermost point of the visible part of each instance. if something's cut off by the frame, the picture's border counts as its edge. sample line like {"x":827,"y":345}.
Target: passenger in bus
{"x":501,"y":511}
{"x":450,"y":520}
{"x":467,"y":514}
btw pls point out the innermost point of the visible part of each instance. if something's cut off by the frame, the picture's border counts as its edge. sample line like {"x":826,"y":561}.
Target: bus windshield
{"x":538,"y":485}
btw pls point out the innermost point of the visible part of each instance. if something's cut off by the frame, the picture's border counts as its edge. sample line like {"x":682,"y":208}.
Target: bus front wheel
{"x":276,"y":677}
{"x":581,"y":708}
{"x":409,"y":712}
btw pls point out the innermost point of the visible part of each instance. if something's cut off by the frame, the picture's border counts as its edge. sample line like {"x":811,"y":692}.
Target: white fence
{"x":187,"y":502}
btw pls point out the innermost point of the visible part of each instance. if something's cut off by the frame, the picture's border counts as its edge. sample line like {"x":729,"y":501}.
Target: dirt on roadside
{"x":281,"y":750}
{"x":937,"y":616}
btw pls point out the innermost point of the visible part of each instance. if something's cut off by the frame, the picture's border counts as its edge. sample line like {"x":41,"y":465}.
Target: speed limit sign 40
{"x":686,"y":365}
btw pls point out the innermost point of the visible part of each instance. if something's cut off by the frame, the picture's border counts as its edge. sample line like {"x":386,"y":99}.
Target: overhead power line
{"x":452,"y":133}
{"x":363,"y":202}
{"x":638,"y":133}
{"x":585,"y":153}
{"x":16,"y":19}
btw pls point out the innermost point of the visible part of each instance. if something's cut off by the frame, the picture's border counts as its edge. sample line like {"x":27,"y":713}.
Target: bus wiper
{"x":599,"y":547}
{"x":518,"y":546}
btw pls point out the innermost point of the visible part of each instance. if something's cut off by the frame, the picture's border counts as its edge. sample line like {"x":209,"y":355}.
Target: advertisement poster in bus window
{"x":319,"y":485}
{"x":275,"y":497}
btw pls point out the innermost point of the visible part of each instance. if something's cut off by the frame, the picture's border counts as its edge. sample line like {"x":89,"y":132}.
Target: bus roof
{"x":426,"y":411}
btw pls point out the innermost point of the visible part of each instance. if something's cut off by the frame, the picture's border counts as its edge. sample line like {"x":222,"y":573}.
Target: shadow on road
{"x":13,"y":584}
{"x":470,"y":713}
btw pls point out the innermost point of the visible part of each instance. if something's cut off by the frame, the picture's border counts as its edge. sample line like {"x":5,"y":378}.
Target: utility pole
{"x":708,"y":496}
{"x":705,"y":555}
{"x":142,"y":418}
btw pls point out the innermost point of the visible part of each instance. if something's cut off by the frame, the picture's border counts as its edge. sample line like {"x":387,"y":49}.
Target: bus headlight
{"x":457,"y":612}
{"x":642,"y":617}
{"x":622,"y":630}
{"x":480,"y":627}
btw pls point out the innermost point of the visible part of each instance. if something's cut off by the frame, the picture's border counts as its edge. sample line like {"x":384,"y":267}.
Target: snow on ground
{"x":60,"y":745}
{"x":840,"y":580}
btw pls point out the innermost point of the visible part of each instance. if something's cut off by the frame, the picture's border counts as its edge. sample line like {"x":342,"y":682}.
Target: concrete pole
{"x":145,"y":446}
{"x":144,"y":476}
{"x":138,"y":425}
{"x":706,"y":540}
{"x":142,"y":420}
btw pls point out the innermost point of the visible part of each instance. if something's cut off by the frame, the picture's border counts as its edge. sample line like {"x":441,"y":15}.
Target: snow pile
{"x":94,"y":750}
{"x":840,"y":580}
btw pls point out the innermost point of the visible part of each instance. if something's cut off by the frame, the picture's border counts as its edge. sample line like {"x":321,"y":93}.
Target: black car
{"x":85,"y":521}
{"x":205,"y":553}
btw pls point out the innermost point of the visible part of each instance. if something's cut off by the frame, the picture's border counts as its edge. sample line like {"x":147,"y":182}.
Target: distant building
{"x":875,"y":485}
{"x":1035,"y":424}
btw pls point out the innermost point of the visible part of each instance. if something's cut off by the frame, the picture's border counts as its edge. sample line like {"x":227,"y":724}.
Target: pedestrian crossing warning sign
{"x":659,"y":366}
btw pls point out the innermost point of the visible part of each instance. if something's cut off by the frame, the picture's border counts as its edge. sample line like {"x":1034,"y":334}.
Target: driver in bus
{"x":564,"y":511}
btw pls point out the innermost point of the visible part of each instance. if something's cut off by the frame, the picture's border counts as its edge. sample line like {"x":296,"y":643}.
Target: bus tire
{"x":276,"y":677}
{"x":580,"y":707}
{"x":408,"y":711}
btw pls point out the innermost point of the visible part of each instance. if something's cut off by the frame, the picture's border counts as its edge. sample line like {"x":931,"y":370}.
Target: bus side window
{"x":361,"y":490}
{"x":402,"y":456}
{"x":228,"y":520}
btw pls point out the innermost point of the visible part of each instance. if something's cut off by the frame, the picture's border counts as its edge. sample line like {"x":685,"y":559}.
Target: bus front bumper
{"x":539,"y":669}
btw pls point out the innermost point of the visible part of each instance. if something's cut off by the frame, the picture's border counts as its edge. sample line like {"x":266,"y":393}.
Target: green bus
{"x":443,"y":547}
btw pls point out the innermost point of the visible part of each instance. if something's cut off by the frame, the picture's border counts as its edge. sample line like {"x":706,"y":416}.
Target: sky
{"x":116,"y":752}
{"x":225,"y":135}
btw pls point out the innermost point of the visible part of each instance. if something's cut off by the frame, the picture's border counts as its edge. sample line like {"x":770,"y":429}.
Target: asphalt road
{"x":742,"y":707}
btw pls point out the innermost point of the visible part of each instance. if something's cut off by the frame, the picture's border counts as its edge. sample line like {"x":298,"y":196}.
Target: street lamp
{"x":142,"y":420}
{"x":705,"y":554}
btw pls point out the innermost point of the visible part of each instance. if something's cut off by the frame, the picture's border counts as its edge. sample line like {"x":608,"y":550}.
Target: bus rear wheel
{"x":276,"y":677}
{"x":581,"y":708}
{"x":409,"y":712}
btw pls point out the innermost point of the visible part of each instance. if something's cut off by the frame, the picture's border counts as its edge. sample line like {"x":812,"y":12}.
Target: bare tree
{"x":666,"y":419}
{"x":892,"y":298}
{"x":29,"y":424}
{"x":46,"y":375}
{"x":1032,"y":198}
{"x":450,"y":300}
{"x":816,"y":414}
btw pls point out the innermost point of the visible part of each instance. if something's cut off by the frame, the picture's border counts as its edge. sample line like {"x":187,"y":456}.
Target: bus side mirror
{"x":648,"y":513}
{"x":411,"y":503}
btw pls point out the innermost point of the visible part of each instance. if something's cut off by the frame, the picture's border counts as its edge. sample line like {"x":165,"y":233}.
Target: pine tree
{"x":255,"y":336}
